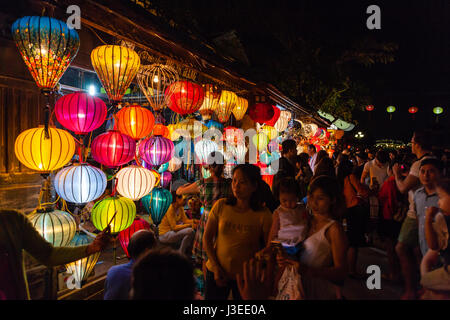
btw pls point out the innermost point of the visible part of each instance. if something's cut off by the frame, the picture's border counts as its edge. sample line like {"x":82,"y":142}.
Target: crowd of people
{"x":298,"y":240}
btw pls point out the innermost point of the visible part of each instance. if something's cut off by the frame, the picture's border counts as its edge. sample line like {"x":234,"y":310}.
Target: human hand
{"x":396,"y":170}
{"x":101,"y":241}
{"x":220,"y":277}
{"x":256,"y":282}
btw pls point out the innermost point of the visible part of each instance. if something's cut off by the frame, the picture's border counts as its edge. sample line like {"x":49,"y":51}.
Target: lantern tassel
{"x":47,"y":116}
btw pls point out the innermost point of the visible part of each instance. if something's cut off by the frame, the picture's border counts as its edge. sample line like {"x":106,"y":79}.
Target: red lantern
{"x":135,"y":121}
{"x":161,"y":130}
{"x":261,"y":112}
{"x":125,"y":235}
{"x":80,"y":112}
{"x":113,"y":148}
{"x":276,"y":115}
{"x":184,"y":97}
{"x":370,"y":107}
{"x":268,"y":179}
{"x":413,"y":110}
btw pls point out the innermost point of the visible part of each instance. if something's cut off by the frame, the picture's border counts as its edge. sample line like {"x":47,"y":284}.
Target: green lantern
{"x":438,"y":110}
{"x":119,"y":211}
{"x":390,"y":109}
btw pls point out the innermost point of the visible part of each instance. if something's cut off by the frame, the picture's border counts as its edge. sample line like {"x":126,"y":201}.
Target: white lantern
{"x":239,"y":152}
{"x":204,"y":148}
{"x":57,"y":227}
{"x":134,"y":182}
{"x":283,"y":121}
{"x":174,"y":164}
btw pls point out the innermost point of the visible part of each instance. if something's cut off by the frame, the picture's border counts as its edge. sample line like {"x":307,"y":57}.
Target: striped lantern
{"x":125,"y":235}
{"x":184,"y":97}
{"x":174,"y":164}
{"x":187,"y":128}
{"x":240,"y":108}
{"x":80,"y":112}
{"x":204,"y":148}
{"x":227,"y":102}
{"x":163,"y":167}
{"x":211,"y":124}
{"x":276,"y":116}
{"x":135,"y":121}
{"x":260,"y":140}
{"x":81,"y":269}
{"x":161,"y":130}
{"x":283,"y":121}
{"x":156,"y":150}
{"x":269,"y":131}
{"x":113,"y":148}
{"x":239,"y":151}
{"x":157,"y":203}
{"x":233,"y":136}
{"x":103,"y":211}
{"x":80,"y":183}
{"x":166,"y":177}
{"x":261,"y":112}
{"x":57,"y":227}
{"x":211,"y":101}
{"x":44,"y":154}
{"x":116,"y":67}
{"x":134,"y":182}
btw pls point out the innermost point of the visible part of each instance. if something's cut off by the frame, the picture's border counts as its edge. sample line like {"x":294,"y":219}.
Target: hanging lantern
{"x":188,"y":128}
{"x":113,"y":148}
{"x":413,"y":110}
{"x":57,"y":227}
{"x":38,"y":153}
{"x":211,"y":101}
{"x":227,"y":102}
{"x":174,"y":164}
{"x":184,"y":97}
{"x":134,"y":182}
{"x":157,"y":203}
{"x":81,"y":269}
{"x":135,"y":121}
{"x":269,"y":131}
{"x":166,"y":177}
{"x":233,"y":135}
{"x":47,"y":46}
{"x":153,"y":81}
{"x":276,"y":116}
{"x":204,"y":148}
{"x":80,"y":112}
{"x":268,"y":179}
{"x":211,"y":124}
{"x":156,"y":150}
{"x":125,"y":235}
{"x":103,"y":211}
{"x":265,"y":158}
{"x":370,"y":107}
{"x":390,"y":109}
{"x":239,"y":152}
{"x":163,"y":167}
{"x":261,"y":112}
{"x":161,"y":130}
{"x":116,"y":67}
{"x":80,"y":183}
{"x":261,"y":141}
{"x":240,"y":108}
{"x":438,"y":110}
{"x":283,"y":121}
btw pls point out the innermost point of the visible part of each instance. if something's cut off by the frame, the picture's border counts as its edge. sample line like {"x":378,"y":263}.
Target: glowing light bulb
{"x":155,"y":79}
{"x":92,"y":90}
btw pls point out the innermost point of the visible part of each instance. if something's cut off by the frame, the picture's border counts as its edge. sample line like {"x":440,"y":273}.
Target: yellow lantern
{"x":240,"y":108}
{"x":188,"y":127}
{"x":122,"y":209}
{"x":261,"y":141}
{"x":227,"y":101}
{"x":116,"y":66}
{"x":43,"y":154}
{"x":269,"y":131}
{"x":283,"y":121}
{"x":134,"y":182}
{"x":211,"y":101}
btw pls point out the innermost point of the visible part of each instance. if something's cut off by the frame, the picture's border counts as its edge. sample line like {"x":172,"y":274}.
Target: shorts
{"x":389,"y":229}
{"x":438,"y":280}
{"x":409,"y":233}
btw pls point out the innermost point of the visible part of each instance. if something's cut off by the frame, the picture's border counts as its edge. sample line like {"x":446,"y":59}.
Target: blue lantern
{"x":265,"y":158}
{"x":163,"y":167}
{"x":80,"y":183}
{"x":214,"y":124}
{"x":157,"y":203}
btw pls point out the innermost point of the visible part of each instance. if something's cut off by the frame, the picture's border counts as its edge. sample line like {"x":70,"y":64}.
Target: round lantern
{"x":113,"y":148}
{"x":204,"y":148}
{"x":153,"y":81}
{"x":227,"y":102}
{"x":211,"y":101}
{"x":233,"y":136}
{"x":413,"y":110}
{"x":188,"y":128}
{"x":80,"y":112}
{"x":116,"y":67}
{"x":163,"y":167}
{"x":125,"y":235}
{"x":269,"y":131}
{"x":438,"y":110}
{"x":240,"y":108}
{"x":174,"y":164}
{"x":261,"y":141}
{"x":161,"y":130}
{"x":157,"y":203}
{"x":80,"y":183}
{"x":81,"y":269}
{"x":156,"y":150}
{"x":390,"y":109}
{"x":239,"y":152}
{"x":38,"y":153}
{"x":265,"y":158}
{"x":103,"y":211}
{"x":370,"y":107}
{"x":47,"y":46}
{"x":283,"y":121}
{"x":184,"y":97}
{"x":276,"y":116}
{"x":166,"y":177}
{"x":134,"y":182}
{"x":261,"y":112}
{"x":135,"y":121}
{"x":211,"y":124}
{"x":57,"y":227}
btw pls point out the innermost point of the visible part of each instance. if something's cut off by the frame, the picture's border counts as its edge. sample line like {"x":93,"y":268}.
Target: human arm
{"x":404,"y":185}
{"x":171,"y":219}
{"x":256,"y":281}
{"x":430,"y":234}
{"x":365,"y":173}
{"x":188,"y":189}
{"x":360,"y":188}
{"x":274,"y":229}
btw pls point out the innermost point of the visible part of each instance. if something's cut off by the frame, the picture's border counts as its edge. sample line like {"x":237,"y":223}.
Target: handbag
{"x":290,"y":285}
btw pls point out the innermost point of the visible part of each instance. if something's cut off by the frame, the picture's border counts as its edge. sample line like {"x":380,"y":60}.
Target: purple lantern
{"x":156,"y":150}
{"x":166,"y":177}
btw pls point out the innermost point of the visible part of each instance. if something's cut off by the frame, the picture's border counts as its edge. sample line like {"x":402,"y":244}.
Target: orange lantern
{"x":135,"y":121}
{"x":161,"y":130}
{"x":240,"y":108}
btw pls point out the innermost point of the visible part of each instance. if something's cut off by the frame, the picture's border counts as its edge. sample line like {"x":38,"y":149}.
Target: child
{"x":437,"y":226}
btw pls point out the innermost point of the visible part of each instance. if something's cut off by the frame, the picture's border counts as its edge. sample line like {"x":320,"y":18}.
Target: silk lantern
{"x":283,"y":121}
{"x":122,"y":209}
{"x":116,"y":67}
{"x":81,"y":269}
{"x":227,"y":102}
{"x":211,"y":124}
{"x":80,"y":112}
{"x":80,"y":183}
{"x":239,"y":152}
{"x":260,"y":140}
{"x":184,"y":97}
{"x":413,"y":110}
{"x":370,"y":107}
{"x":163,"y":167}
{"x":269,"y":131}
{"x":47,"y":47}
{"x":41,"y":154}
{"x":125,"y":235}
{"x":276,"y":116}
{"x":135,"y":121}
{"x":240,"y":108}
{"x":161,"y":130}
{"x":233,"y":136}
{"x":211,"y":101}
{"x":153,"y":81}
{"x":188,"y":128}
{"x":134,"y":182}
{"x":265,"y":158}
{"x":113,"y":148}
{"x":166,"y":177}
{"x":438,"y":110}
{"x":157,"y":203}
{"x":261,"y":112}
{"x":204,"y":148}
{"x":57,"y":227}
{"x":156,"y":150}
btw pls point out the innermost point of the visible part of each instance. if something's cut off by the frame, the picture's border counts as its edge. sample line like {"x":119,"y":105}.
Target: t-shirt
{"x":415,"y":167}
{"x":172,"y":219}
{"x":422,"y":200}
{"x":239,"y":236}
{"x":375,"y":171}
{"x":293,"y":224}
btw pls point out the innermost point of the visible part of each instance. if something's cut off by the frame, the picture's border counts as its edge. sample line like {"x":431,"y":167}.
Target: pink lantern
{"x":276,"y":116}
{"x":113,"y":148}
{"x":80,"y":112}
{"x":233,"y":135}
{"x":156,"y":150}
{"x":166,"y":177}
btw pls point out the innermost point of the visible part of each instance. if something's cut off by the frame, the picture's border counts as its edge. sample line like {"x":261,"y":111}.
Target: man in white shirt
{"x":313,"y":156}
{"x":376,"y":169}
